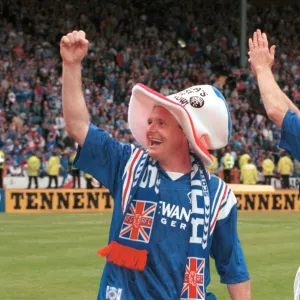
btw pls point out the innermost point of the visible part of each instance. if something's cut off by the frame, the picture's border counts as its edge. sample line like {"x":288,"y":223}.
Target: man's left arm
{"x":240,"y":291}
{"x":275,"y":100}
{"x":227,"y":251}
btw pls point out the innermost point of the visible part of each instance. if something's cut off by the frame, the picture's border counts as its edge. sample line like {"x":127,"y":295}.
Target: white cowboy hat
{"x":200,"y":110}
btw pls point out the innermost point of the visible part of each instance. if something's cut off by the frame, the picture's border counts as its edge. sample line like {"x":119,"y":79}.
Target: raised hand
{"x":260,"y":55}
{"x":73,"y":47}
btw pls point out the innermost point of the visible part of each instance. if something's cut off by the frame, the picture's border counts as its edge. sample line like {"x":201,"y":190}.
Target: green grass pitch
{"x":53,"y":255}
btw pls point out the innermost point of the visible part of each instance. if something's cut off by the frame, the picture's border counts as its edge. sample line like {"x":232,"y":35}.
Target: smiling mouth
{"x":155,"y":143}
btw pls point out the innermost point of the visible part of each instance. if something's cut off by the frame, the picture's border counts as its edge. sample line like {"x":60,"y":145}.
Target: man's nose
{"x":151,"y":127}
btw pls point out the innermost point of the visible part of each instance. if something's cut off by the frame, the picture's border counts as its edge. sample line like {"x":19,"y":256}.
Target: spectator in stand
{"x":15,"y":170}
{"x":127,"y":50}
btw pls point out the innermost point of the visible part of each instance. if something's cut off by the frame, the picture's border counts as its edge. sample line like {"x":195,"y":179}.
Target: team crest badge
{"x":113,"y":293}
{"x":193,"y":285}
{"x":138,"y":222}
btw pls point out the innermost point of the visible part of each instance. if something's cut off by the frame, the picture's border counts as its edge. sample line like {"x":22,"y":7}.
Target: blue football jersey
{"x":165,"y":275}
{"x":290,"y":134}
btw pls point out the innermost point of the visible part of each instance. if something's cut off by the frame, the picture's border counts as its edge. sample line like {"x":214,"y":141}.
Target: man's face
{"x":165,"y":138}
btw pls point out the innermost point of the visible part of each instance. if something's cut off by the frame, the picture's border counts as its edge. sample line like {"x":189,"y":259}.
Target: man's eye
{"x":161,"y":123}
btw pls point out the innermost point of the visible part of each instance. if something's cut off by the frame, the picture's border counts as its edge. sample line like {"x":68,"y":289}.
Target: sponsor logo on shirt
{"x":174,"y":215}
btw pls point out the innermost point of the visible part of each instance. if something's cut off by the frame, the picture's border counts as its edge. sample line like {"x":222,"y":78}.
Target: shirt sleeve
{"x":290,"y":134}
{"x":103,"y":157}
{"x":226,"y":248}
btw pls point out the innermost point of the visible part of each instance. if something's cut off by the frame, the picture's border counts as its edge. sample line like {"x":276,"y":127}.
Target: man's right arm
{"x":73,"y":48}
{"x":74,"y":107}
{"x":99,"y":155}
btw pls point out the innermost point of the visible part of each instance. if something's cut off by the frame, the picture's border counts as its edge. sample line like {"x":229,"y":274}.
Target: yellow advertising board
{"x":63,"y":200}
{"x":100,"y":200}
{"x":280,"y":200}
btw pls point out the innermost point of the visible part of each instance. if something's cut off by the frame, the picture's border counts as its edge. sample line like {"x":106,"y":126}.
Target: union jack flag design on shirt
{"x":193,"y":285}
{"x":138,"y":222}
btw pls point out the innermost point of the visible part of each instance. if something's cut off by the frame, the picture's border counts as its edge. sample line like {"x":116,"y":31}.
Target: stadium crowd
{"x":190,"y":43}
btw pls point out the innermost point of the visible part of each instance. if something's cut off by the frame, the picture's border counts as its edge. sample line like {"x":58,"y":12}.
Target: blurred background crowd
{"x":167,"y":45}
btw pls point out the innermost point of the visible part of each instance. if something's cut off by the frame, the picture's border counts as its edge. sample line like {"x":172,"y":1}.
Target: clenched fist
{"x":73,"y":47}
